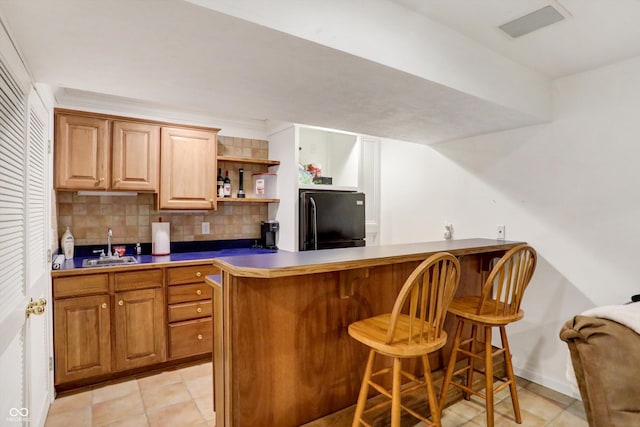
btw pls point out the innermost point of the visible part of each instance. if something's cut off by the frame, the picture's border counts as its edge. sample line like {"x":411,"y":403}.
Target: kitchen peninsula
{"x":282,"y":355}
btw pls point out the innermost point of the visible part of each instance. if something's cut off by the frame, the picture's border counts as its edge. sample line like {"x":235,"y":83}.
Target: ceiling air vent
{"x":532,"y":21}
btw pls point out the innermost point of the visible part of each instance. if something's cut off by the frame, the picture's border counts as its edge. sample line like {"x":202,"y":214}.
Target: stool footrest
{"x":380,"y":389}
{"x":505,"y":381}
{"x":469,"y":390}
{"x":479,"y":356}
{"x":381,"y":372}
{"x":407,"y":388}
{"x":505,"y":384}
{"x":413,"y":378}
{"x":416,"y":415}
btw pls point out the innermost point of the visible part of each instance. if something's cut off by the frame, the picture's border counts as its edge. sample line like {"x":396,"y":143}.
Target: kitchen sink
{"x":109,"y":261}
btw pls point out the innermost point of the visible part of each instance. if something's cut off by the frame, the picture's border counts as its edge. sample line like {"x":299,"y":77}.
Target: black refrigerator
{"x":331,"y":219}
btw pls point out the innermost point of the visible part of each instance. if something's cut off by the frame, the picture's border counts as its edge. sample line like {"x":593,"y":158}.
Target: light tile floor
{"x":539,"y":407}
{"x":184,"y":397}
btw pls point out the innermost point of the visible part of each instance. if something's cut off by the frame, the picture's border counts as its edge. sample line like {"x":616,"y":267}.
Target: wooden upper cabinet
{"x":188,"y":169}
{"x":81,"y":153}
{"x":135,"y":156}
{"x":100,"y":152}
{"x":103,"y":152}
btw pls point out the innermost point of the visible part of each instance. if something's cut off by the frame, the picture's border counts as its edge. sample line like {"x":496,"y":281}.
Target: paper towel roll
{"x":160,"y":240}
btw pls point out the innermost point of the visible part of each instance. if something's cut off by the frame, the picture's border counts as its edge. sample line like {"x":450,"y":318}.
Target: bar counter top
{"x":282,"y":355}
{"x":284,"y":263}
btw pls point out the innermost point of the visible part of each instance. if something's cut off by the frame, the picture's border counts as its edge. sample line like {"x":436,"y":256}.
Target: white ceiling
{"x":175,"y":53}
{"x":594,"y":33}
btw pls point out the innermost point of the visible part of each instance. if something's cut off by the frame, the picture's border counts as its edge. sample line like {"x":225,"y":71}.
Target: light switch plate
{"x":205,"y":228}
{"x":500,"y":232}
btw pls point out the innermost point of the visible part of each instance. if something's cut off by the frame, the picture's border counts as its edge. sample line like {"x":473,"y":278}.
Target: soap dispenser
{"x":67,"y":244}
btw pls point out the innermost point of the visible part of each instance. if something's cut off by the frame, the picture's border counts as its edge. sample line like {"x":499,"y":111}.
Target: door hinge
{"x":50,"y":363}
{"x":49,"y":147}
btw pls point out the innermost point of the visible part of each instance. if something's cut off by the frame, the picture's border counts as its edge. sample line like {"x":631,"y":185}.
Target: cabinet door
{"x":188,"y":169}
{"x":81,"y":153}
{"x":135,"y":156}
{"x":139,"y":323}
{"x":82,"y":338}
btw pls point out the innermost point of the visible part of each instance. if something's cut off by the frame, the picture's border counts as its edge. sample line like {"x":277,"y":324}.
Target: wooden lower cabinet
{"x":82,"y":328}
{"x":139,"y":323}
{"x":110,"y":324}
{"x":190,"y":338}
{"x":123,"y":327}
{"x":186,"y":293}
{"x":189,"y":310}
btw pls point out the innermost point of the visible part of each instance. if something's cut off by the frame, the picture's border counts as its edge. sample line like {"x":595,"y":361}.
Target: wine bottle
{"x":227,"y":185}
{"x":241,"y":194}
{"x":220,"y":187}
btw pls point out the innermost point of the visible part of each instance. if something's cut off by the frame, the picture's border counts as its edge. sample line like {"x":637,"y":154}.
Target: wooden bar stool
{"x":428,"y":291}
{"x":497,"y":306}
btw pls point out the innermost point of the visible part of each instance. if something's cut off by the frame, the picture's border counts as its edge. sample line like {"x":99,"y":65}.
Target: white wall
{"x":344,"y":159}
{"x":570,"y":188}
{"x":283,"y":147}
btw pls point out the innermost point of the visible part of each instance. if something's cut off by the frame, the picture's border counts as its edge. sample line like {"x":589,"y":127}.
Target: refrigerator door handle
{"x":314,"y":212}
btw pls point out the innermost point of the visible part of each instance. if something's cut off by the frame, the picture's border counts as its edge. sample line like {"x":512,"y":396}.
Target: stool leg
{"x":471,"y":360}
{"x":395,"y":393}
{"x":511,"y":377}
{"x":488,"y":370}
{"x":434,"y":408}
{"x":450,"y":367}
{"x":364,"y":389}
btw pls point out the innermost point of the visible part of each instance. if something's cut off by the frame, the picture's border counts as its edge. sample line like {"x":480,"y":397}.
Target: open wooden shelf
{"x":246,"y":200}
{"x":248,"y":160}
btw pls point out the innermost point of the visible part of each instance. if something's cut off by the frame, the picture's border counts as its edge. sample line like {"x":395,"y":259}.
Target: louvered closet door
{"x":13,"y":292}
{"x":23,"y":261}
{"x":39,"y":384}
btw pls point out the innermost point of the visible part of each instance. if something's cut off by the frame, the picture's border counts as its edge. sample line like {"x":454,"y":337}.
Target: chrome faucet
{"x":109,"y":236}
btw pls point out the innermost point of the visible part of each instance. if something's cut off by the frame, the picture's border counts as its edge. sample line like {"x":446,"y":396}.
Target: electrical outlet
{"x":448,"y":231}
{"x":205,"y":228}
{"x":500,"y":231}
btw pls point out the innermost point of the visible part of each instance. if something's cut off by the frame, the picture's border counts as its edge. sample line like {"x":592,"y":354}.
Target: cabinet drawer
{"x":189,"y":310}
{"x":80,"y":285}
{"x":191,"y":274}
{"x":187,"y":293}
{"x":140,"y":279}
{"x":190,"y":338}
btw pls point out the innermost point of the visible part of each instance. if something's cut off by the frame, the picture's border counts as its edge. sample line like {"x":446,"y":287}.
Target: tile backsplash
{"x":130,"y":217}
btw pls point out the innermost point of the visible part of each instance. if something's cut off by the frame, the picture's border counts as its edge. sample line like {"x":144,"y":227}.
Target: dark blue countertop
{"x":283,"y":263}
{"x":76,"y":262}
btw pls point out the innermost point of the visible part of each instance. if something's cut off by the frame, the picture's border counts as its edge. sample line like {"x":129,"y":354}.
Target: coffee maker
{"x":269,"y":234}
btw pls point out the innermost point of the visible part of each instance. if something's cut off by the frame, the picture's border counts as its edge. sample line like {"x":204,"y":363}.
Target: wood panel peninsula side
{"x":282,"y":355}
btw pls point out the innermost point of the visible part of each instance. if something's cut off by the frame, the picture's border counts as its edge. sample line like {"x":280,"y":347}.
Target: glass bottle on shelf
{"x":220,"y":184}
{"x":227,"y":185}
{"x":241,"y":194}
